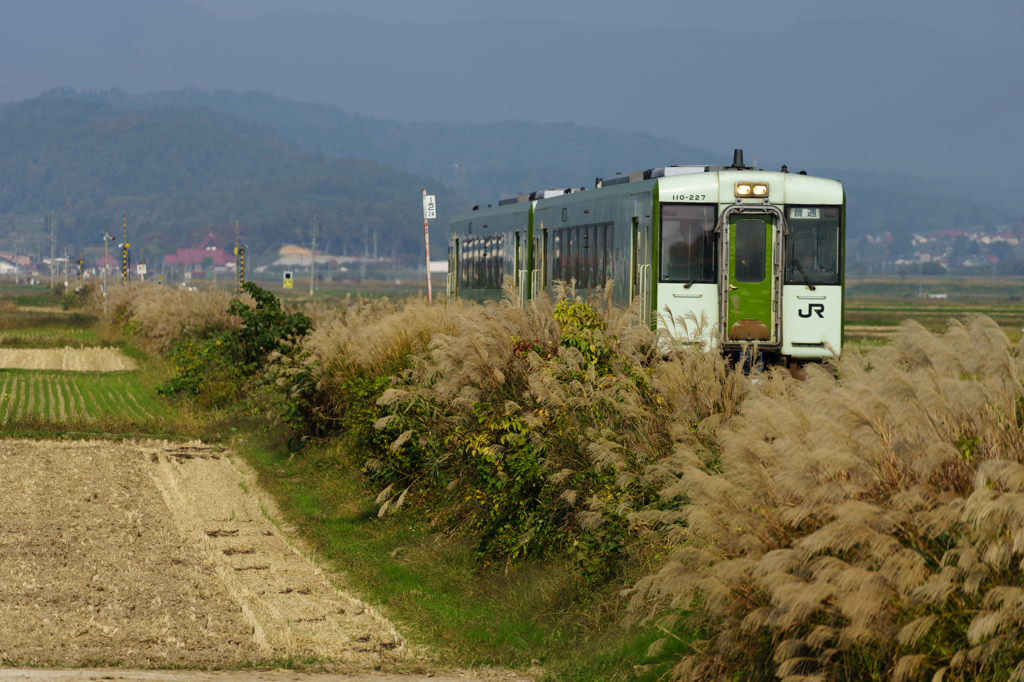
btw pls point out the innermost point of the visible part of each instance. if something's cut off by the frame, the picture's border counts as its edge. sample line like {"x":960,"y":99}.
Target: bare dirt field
{"x":156,"y":554}
{"x":67,"y":359}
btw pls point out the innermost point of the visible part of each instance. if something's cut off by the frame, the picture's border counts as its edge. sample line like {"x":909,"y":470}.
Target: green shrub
{"x":213,"y":369}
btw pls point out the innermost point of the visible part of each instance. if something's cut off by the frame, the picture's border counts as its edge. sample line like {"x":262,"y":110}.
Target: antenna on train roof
{"x":737,"y":159}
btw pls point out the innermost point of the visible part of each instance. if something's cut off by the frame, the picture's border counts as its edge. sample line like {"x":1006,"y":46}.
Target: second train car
{"x":758,"y":255}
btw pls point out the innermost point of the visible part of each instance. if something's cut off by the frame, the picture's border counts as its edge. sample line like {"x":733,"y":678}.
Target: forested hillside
{"x":175,"y":171}
{"x":478,"y":161}
{"x":486,"y":162}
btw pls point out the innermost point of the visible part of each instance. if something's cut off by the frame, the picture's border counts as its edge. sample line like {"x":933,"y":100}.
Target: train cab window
{"x":812,"y":246}
{"x":688,"y":243}
{"x":751,"y":245}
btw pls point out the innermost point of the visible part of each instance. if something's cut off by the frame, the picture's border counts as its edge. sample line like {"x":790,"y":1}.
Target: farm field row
{"x":49,"y":338}
{"x":80,"y":396}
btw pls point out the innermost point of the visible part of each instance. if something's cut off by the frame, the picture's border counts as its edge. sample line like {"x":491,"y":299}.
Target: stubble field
{"x":156,"y":554}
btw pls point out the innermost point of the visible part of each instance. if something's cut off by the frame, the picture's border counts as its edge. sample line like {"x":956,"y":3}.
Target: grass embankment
{"x":538,"y":613}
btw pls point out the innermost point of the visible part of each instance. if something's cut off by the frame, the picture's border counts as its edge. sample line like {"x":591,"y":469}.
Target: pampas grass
{"x":864,"y":524}
{"x":156,"y":316}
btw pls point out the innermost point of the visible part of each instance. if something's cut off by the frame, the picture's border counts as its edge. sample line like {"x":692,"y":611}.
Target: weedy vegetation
{"x":865,"y":524}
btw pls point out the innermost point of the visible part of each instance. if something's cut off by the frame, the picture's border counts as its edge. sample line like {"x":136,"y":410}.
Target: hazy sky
{"x":932,"y":88}
{"x":983,"y":23}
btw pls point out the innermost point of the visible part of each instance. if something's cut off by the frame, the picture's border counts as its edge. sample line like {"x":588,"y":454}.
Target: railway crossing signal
{"x":124,"y":251}
{"x":240,"y":275}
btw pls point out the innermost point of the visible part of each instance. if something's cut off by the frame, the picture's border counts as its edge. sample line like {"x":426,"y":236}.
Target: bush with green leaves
{"x":527,"y":428}
{"x":213,"y":369}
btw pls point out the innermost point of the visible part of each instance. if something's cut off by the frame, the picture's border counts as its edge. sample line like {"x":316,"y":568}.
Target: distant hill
{"x":486,"y":162}
{"x":873,"y":93}
{"x":175,"y":171}
{"x":482,"y":162}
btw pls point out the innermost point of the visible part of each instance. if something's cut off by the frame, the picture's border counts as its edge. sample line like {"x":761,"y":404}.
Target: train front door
{"x":751,"y":296}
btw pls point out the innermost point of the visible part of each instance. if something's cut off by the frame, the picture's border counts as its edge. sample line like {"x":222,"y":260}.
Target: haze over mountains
{"x":864,"y":95}
{"x":178,"y":162}
{"x":921,"y":127}
{"x":175,"y":172}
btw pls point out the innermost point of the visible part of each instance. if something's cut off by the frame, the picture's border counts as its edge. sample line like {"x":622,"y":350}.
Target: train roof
{"x":785,"y":188}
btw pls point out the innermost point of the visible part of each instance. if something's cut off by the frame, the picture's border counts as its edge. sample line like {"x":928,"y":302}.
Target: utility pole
{"x":51,"y":223}
{"x":238,"y":282}
{"x":429,"y":211}
{"x":314,"y":227}
{"x":107,"y":238}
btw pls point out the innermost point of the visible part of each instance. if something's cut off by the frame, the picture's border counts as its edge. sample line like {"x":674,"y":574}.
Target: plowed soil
{"x":68,"y":359}
{"x":161,"y":555}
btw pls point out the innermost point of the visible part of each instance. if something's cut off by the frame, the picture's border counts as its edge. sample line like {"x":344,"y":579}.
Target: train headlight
{"x":744,"y":189}
{"x":760,"y":190}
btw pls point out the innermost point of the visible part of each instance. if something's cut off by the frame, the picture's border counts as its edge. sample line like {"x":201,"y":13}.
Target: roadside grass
{"x":427,"y":582}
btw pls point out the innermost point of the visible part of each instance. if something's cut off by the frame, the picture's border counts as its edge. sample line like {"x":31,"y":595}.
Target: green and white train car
{"x":758,"y":255}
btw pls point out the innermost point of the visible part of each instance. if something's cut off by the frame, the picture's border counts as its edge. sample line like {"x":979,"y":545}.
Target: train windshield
{"x":812,"y":247}
{"x":688,"y":243}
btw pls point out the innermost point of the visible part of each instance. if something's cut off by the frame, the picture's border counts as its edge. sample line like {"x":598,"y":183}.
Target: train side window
{"x":499,"y":269}
{"x":465,"y":264}
{"x":609,"y":252}
{"x":556,"y":265}
{"x":492,"y":261}
{"x":688,"y":243}
{"x":478,"y":258}
{"x":570,"y":263}
{"x":813,"y":243}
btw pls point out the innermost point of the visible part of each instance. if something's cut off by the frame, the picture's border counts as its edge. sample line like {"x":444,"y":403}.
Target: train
{"x":757,"y":255}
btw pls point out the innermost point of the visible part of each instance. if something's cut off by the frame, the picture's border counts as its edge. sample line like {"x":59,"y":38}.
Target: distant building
{"x":112,"y":263}
{"x":294,"y":256}
{"x":191,"y":258}
{"x":23,"y":260}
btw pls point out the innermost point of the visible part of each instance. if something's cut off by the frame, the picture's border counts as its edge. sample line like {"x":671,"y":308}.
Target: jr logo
{"x":811,"y":309}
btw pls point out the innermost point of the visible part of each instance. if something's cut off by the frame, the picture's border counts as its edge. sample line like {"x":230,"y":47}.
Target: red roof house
{"x":208,"y":249}
{"x":113,"y":262}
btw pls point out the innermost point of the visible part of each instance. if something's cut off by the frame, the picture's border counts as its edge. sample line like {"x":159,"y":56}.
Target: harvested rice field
{"x":67,"y":396}
{"x":152,"y":554}
{"x":66,"y":359}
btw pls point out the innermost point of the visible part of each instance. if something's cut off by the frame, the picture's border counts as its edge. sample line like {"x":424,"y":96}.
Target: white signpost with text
{"x":429,"y":213}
